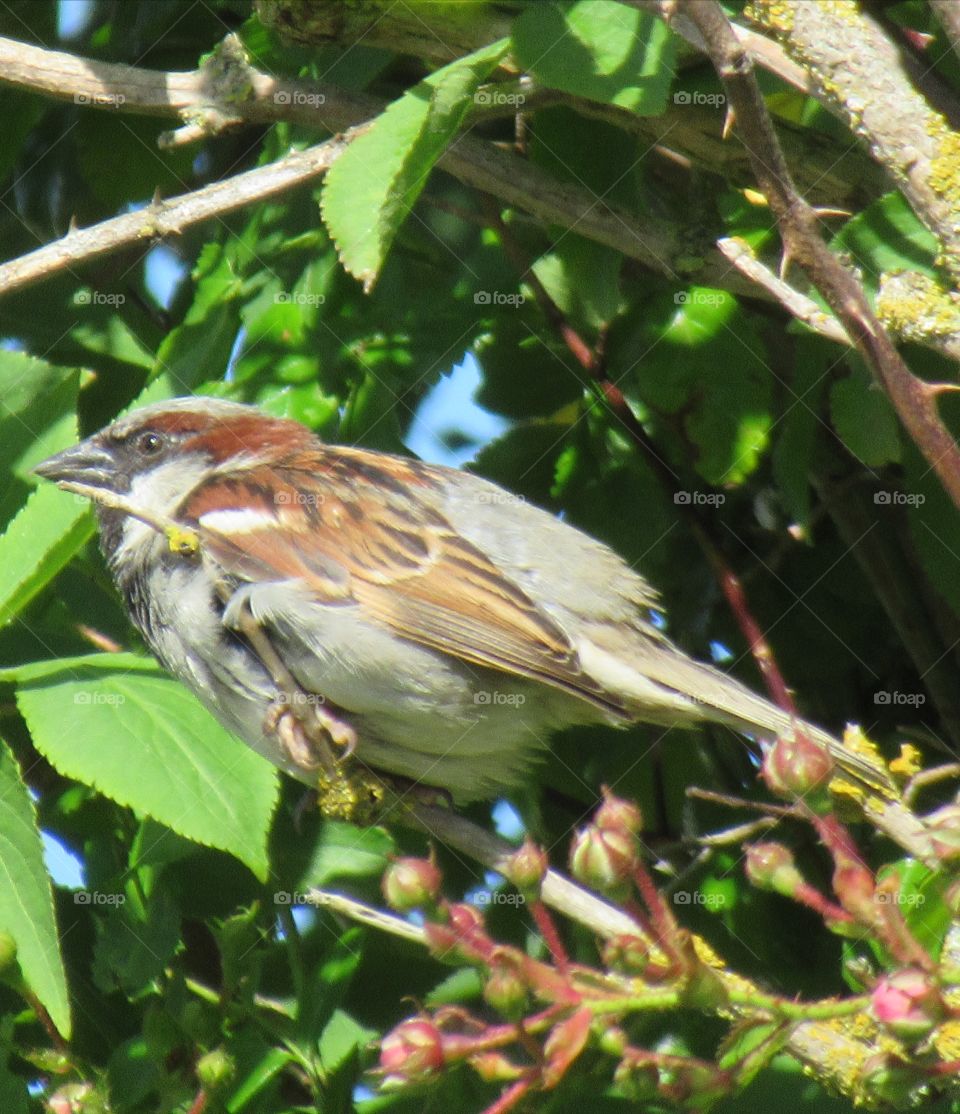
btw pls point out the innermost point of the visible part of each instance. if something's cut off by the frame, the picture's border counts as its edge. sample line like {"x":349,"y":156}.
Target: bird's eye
{"x":149,"y":443}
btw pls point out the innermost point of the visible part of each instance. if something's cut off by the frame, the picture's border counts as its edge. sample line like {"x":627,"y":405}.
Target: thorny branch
{"x":914,"y":400}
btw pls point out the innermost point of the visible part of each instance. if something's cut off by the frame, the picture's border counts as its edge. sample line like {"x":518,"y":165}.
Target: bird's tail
{"x":706,"y":693}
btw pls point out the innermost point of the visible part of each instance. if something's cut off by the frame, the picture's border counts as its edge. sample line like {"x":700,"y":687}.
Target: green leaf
{"x":799,"y":427}
{"x":888,"y":236}
{"x":598,"y":49}
{"x":340,"y":1037}
{"x":524,"y":376}
{"x":346,"y":851}
{"x":134,"y":943}
{"x":702,"y":358}
{"x":582,"y":278}
{"x":109,"y":663}
{"x":864,"y":419}
{"x":921,"y":902}
{"x":50,"y":529}
{"x":934,"y":522}
{"x":272,"y":1062}
{"x":201,"y":345}
{"x":33,"y":395}
{"x":372,"y":187}
{"x":191,"y":775}
{"x":462,"y":985}
{"x":26,"y":904}
{"x":326,"y":984}
{"x":750,"y":1047}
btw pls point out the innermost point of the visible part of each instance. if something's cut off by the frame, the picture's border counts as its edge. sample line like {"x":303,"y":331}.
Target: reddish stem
{"x":548,"y":930}
{"x":510,"y":1097}
{"x":663,"y":923}
{"x":199,"y":1104}
{"x":808,"y":895}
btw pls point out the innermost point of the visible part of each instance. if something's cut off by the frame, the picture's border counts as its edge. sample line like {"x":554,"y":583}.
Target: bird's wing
{"x":355,"y":531}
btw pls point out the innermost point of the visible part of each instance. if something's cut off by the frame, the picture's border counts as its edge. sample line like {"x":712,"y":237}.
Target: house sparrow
{"x":439,"y":628}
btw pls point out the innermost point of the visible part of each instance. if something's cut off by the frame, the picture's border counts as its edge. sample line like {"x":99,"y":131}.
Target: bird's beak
{"x":84,"y":466}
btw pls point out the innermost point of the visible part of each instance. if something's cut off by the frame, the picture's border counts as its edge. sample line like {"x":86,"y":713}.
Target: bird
{"x":331,"y":604}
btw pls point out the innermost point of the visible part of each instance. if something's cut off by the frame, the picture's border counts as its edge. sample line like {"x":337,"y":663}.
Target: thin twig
{"x":913,"y":400}
{"x":801,"y":307}
{"x":367,"y":914}
{"x":728,"y":800}
{"x":926,"y":778}
{"x":247,"y":96}
{"x":871,"y":83}
{"x":737,"y":834}
{"x":162,"y":219}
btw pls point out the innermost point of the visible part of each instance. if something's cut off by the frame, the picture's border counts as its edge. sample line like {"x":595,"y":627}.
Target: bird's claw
{"x":305,"y":735}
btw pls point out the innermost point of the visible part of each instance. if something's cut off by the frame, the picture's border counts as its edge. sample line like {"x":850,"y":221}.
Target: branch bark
{"x":863,"y":74}
{"x":226,"y":92}
{"x":914,"y":400}
{"x":169,"y":218}
{"x":217,"y":96}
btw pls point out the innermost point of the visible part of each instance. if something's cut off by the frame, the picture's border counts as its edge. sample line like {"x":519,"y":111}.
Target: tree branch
{"x":913,"y":400}
{"x":169,"y":218}
{"x":859,"y":70}
{"x":798,"y":305}
{"x":226,"y":94}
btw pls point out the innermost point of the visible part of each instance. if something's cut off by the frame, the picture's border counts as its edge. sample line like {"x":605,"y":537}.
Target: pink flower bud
{"x":908,"y":1003}
{"x":465,"y":919}
{"x":630,"y":954}
{"x":617,"y":814}
{"x":462,"y":939}
{"x":796,"y":766}
{"x":526,"y":867}
{"x":506,"y":990}
{"x":410,"y":883}
{"x":770,"y":866}
{"x":603,"y":858}
{"x":410,"y":1053}
{"x":856,"y":890}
